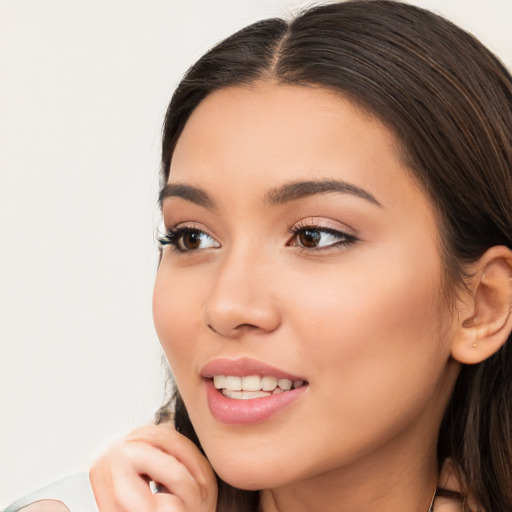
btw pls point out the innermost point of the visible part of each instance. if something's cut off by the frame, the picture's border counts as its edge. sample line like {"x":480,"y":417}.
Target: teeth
{"x":244,"y":395}
{"x":219,"y":381}
{"x":233,"y":383}
{"x":253,"y":386}
{"x":284,"y":384}
{"x":251,"y":383}
{"x":268,"y":383}
{"x":228,"y":382}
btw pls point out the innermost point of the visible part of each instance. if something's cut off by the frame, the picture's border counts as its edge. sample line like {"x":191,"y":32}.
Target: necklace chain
{"x":431,"y":507}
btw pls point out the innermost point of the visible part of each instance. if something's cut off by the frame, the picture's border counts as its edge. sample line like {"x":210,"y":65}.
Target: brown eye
{"x":309,"y":238}
{"x":191,"y":240}
{"x":318,"y":238}
{"x":184,"y":239}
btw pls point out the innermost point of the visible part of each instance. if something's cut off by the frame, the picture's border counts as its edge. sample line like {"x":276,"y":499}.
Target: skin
{"x":363,"y":322}
{"x":120,"y":478}
{"x":358,"y":311}
{"x":46,"y":506}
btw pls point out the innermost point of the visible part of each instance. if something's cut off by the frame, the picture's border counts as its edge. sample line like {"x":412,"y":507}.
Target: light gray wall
{"x":83,"y":88}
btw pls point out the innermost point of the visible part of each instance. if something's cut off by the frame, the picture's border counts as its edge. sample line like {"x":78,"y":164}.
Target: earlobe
{"x":485,"y":319}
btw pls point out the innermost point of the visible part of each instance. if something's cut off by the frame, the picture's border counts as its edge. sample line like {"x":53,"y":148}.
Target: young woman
{"x":335,"y":286}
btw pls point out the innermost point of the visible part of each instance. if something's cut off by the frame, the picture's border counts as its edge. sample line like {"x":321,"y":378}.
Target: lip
{"x":245,"y":412}
{"x":243,"y":367}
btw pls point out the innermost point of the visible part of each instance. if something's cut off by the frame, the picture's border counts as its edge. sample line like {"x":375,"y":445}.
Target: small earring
{"x":475,"y":321}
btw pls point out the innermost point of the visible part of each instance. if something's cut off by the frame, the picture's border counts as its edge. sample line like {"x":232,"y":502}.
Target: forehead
{"x":256,"y":137}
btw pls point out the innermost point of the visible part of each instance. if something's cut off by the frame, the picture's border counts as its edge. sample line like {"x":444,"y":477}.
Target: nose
{"x":241,"y":299}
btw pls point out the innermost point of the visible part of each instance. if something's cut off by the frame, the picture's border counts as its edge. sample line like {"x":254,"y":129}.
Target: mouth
{"x":250,"y":387}
{"x":246,"y":391}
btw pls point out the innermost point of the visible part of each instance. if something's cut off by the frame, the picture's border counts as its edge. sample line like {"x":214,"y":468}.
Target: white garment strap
{"x":74,"y":491}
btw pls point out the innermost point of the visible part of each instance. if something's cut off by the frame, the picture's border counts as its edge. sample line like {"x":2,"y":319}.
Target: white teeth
{"x":268,"y":383}
{"x":233,"y":383}
{"x":219,"y":381}
{"x":253,"y":386}
{"x":251,"y":383}
{"x":284,"y":384}
{"x":244,"y":395}
{"x":277,"y":391}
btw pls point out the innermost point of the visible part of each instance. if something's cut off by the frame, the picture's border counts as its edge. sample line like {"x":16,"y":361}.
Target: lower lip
{"x":243,"y":412}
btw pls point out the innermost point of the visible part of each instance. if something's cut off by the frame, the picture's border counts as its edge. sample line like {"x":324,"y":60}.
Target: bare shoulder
{"x":45,"y":506}
{"x":452,"y":498}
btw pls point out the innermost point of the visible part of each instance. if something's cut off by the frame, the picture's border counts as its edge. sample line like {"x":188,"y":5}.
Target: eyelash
{"x":345,"y":240}
{"x":173,"y":237}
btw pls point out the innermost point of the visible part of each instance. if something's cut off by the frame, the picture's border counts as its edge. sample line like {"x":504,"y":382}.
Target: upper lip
{"x":243,"y":367}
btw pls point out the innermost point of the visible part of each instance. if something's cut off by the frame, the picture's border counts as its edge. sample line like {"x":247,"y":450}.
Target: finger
{"x":118,"y":486}
{"x":100,"y":476}
{"x":131,"y":494}
{"x":170,"y":503}
{"x":166,"y":438}
{"x":121,"y":479}
{"x":163,"y":469}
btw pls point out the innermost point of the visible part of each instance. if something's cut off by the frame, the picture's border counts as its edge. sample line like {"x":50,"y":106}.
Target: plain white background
{"x":83,"y":88}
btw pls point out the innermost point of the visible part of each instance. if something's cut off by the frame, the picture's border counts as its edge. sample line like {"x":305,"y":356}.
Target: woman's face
{"x":300,"y":249}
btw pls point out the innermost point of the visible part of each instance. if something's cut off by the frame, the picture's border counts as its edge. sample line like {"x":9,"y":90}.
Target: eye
{"x":317,"y":237}
{"x":186,"y":239}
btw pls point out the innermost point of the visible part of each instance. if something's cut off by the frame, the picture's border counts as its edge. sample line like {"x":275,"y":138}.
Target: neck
{"x":395,"y":479}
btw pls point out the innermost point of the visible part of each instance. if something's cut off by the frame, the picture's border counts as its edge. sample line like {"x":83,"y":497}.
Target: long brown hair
{"x":448,"y":100}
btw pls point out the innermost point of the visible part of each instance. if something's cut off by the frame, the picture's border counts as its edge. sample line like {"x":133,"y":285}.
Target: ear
{"x":485,"y":319}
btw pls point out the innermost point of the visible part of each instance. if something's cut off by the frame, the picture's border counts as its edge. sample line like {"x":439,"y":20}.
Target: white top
{"x":74,"y":491}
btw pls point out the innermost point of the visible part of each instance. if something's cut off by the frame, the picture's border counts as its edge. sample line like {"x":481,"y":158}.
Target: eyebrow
{"x":276,"y":196}
{"x":187,"y":192}
{"x":300,"y":189}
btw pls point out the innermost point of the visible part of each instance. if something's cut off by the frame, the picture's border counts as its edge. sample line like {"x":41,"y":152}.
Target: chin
{"x":252,"y":473}
{"x":248,"y":480}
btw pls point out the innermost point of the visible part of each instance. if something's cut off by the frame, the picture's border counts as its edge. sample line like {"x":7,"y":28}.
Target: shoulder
{"x":72,"y":494}
{"x":451,"y":496}
{"x":43,"y":506}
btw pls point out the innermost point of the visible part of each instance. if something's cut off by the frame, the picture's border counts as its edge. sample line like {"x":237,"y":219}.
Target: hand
{"x":120,"y":478}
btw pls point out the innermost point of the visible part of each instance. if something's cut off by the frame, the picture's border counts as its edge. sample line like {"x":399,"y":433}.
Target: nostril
{"x":238,"y":329}
{"x":247,"y":327}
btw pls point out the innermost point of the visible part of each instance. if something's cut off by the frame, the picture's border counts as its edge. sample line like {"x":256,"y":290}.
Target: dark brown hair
{"x":448,"y":100}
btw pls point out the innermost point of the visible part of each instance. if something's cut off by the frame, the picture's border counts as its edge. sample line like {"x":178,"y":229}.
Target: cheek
{"x":175,"y":316}
{"x":373,"y":330}
{"x":375,"y":356}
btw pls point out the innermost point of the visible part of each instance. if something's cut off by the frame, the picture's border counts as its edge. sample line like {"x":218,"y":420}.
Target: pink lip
{"x":244,"y":412}
{"x":243,"y":367}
